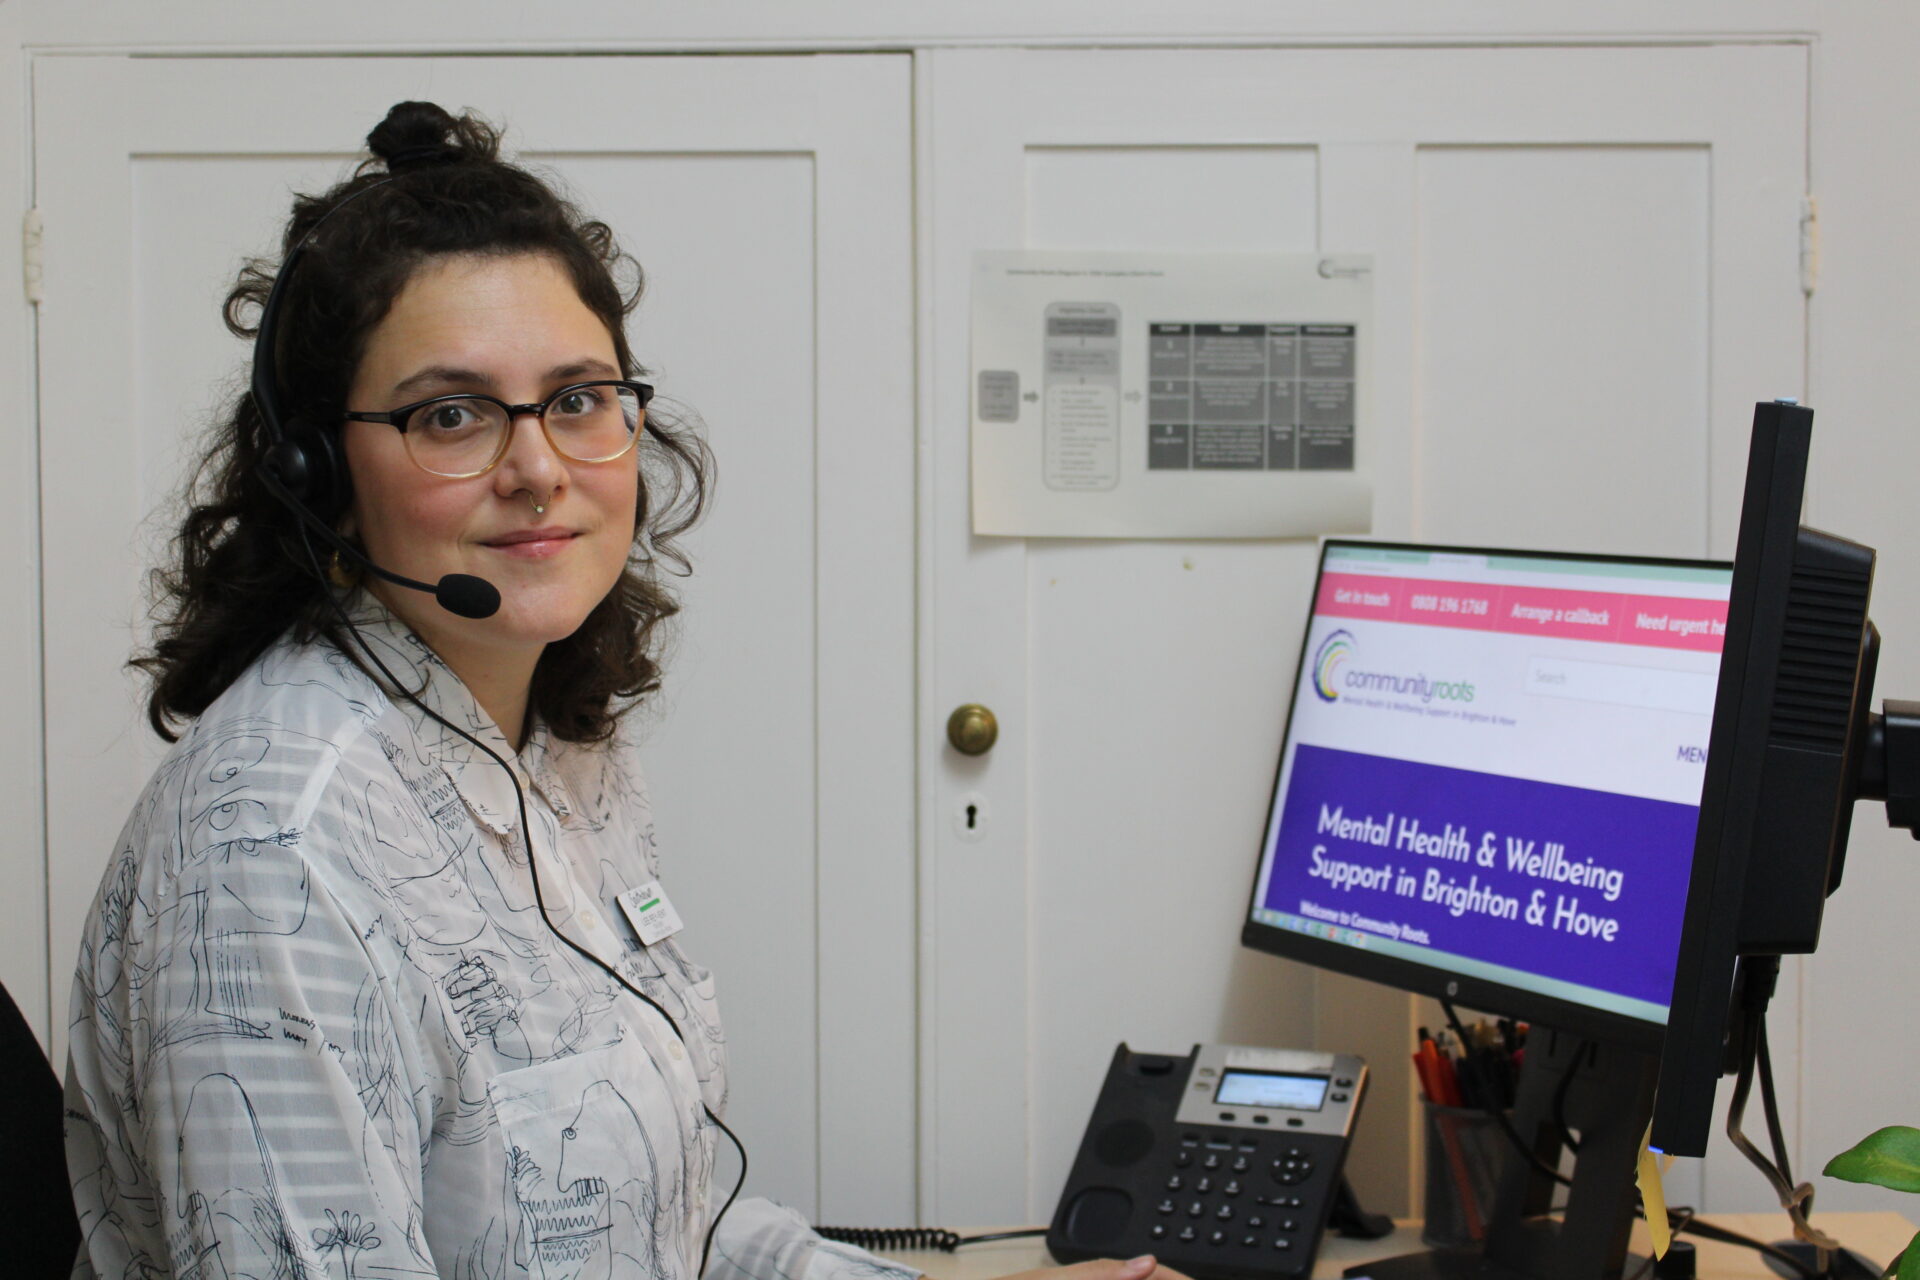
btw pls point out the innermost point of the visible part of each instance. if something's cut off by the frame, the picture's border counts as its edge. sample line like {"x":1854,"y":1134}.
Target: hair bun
{"x":418,"y":135}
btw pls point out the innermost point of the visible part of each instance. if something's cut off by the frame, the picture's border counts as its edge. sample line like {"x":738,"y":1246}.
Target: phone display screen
{"x":1270,"y":1089}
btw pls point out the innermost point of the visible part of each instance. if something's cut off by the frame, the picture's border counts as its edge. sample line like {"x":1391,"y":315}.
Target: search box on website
{"x":1658,"y":688}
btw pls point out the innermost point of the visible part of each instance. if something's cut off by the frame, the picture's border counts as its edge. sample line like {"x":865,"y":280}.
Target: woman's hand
{"x":1140,"y":1268}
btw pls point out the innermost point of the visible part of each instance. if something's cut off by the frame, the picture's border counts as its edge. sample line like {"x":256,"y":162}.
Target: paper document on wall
{"x":1171,"y":395}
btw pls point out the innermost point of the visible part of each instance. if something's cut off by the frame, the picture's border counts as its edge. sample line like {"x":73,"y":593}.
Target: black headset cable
{"x":533,"y":867}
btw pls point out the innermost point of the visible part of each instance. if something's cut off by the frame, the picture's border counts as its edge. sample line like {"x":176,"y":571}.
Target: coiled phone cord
{"x":917,"y":1237}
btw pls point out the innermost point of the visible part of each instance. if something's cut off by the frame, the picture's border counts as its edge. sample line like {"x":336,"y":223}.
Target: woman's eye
{"x":577,"y":403}
{"x":448,"y":417}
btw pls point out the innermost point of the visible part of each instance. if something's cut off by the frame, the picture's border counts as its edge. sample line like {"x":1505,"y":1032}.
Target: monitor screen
{"x":1491,"y":778}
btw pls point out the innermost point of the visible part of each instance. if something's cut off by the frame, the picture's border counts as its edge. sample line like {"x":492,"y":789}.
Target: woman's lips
{"x":532,"y":544}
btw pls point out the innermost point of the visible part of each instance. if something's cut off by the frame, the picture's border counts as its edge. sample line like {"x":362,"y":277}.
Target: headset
{"x":303,"y":467}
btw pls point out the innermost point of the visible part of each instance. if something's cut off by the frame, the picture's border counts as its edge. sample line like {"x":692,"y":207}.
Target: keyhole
{"x":972,"y":815}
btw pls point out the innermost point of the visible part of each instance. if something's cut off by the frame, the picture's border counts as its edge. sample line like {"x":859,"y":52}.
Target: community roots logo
{"x":1328,"y":659}
{"x":1331,"y":675}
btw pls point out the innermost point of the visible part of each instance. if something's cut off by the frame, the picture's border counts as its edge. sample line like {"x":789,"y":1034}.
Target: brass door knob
{"x":972,"y":729}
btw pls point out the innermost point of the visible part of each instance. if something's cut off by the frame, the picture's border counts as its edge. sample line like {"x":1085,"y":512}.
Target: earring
{"x":340,"y":575}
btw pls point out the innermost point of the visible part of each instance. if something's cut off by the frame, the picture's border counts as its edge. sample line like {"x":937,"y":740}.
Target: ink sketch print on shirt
{"x":320,"y":1029}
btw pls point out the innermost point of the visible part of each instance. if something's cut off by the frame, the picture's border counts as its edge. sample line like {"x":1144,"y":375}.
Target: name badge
{"x":648,"y":911}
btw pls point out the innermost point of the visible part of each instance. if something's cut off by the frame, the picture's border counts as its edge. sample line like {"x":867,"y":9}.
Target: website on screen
{"x":1494,"y":765}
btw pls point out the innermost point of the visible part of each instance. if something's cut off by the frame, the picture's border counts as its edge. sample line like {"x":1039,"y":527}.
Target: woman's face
{"x":515,"y":328}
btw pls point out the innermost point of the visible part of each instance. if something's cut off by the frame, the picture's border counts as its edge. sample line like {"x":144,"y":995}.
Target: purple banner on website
{"x":1575,"y":885}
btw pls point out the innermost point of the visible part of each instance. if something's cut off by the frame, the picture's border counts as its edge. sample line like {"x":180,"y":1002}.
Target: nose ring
{"x":539,"y":508}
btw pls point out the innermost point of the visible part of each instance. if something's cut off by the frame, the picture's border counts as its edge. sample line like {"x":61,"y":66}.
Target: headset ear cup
{"x":326,"y":488}
{"x":286,"y":463}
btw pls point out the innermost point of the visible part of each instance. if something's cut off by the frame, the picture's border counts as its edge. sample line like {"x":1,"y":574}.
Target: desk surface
{"x":1880,"y":1236}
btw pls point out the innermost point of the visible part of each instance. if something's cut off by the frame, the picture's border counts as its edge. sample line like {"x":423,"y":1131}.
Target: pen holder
{"x":1467,"y":1156}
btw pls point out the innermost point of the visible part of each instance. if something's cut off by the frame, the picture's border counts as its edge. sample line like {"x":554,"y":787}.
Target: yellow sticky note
{"x":1653,"y":1197}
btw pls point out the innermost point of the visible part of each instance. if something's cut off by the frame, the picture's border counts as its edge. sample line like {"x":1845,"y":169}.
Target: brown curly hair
{"x":241,"y":577}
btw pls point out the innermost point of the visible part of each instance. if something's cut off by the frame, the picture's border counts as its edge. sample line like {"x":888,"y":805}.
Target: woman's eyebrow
{"x":583,"y":368}
{"x":439,"y":375}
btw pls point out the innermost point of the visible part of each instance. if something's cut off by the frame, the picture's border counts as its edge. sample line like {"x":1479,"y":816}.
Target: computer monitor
{"x":1458,"y":712}
{"x":1488,"y":791}
{"x":1491,"y":777}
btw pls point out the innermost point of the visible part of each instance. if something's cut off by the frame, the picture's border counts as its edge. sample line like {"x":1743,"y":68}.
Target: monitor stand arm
{"x":1890,"y":763}
{"x":1608,"y":1100}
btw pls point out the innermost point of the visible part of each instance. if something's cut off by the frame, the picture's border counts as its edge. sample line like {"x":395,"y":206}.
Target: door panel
{"x":1585,"y":272}
{"x":1125,"y":197}
{"x":768,"y":200}
{"x":1563,"y":345}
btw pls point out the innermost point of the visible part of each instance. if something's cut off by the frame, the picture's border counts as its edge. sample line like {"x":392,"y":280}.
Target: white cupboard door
{"x":769,"y":200}
{"x":1585,"y":272}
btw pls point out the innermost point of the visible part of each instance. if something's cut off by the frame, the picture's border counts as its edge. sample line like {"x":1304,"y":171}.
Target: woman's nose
{"x":530,"y":462}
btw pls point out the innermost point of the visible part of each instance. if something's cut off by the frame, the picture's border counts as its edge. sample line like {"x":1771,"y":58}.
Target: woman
{"x":363,"y":992}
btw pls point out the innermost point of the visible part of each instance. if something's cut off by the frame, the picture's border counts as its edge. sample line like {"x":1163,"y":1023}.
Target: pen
{"x":1428,"y":1060}
{"x":1428,"y":1088}
{"x":1449,"y":1081}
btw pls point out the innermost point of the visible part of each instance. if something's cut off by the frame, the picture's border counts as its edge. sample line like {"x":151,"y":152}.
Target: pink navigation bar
{"x":1612,"y":617}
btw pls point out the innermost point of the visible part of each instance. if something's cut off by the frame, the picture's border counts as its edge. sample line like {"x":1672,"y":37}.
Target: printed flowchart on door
{"x":1170,"y":395}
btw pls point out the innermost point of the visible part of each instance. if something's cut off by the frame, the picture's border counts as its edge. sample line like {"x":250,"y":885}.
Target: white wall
{"x":1859,"y":991}
{"x":1864,"y":149}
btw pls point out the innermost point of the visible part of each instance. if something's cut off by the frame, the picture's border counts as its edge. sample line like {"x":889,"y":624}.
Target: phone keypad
{"x":1268,"y":1214}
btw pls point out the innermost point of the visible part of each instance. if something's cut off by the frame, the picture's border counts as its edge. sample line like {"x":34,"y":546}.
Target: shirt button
{"x":588,"y":919}
{"x":677,"y":1052}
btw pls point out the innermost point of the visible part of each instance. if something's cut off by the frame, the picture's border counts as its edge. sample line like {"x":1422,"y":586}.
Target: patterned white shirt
{"x":319,"y":1029}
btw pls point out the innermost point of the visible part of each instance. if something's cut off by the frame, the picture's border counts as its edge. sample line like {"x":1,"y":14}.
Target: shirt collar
{"x":542,"y":758}
{"x":480,"y":783}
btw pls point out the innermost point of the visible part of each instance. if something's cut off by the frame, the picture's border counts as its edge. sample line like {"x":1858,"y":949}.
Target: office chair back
{"x":36,"y":1208}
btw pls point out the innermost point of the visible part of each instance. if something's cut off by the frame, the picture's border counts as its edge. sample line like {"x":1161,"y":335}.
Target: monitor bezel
{"x":1766,"y":555}
{"x":1473,"y":992}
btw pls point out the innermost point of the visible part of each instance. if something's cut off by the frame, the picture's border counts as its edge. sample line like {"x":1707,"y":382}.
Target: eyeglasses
{"x":466,"y":435}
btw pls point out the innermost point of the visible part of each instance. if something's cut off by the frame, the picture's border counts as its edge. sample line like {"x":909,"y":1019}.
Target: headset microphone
{"x":468,"y":596}
{"x":304,"y":464}
{"x":458,"y":593}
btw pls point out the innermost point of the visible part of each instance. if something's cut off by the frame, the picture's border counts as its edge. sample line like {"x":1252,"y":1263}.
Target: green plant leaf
{"x":1888,"y":1157}
{"x":1910,"y":1260}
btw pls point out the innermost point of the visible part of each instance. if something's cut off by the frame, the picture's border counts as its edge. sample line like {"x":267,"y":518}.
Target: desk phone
{"x":1224,"y":1164}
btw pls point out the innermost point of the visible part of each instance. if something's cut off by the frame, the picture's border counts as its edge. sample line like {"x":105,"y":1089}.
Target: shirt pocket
{"x":596,"y":1165}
